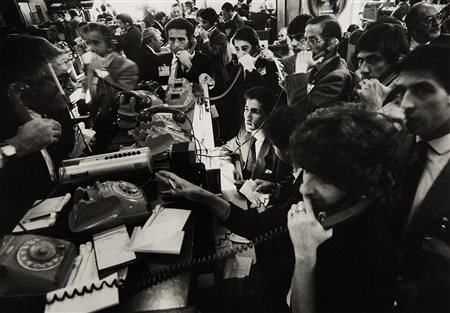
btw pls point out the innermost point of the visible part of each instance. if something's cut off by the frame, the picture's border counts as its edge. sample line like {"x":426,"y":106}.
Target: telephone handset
{"x":32,"y":264}
{"x":346,"y":209}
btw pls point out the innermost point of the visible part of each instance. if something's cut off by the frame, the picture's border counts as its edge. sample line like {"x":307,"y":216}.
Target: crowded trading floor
{"x":206,"y":156}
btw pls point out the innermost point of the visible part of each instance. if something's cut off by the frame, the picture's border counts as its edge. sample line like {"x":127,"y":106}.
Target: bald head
{"x":423,"y":23}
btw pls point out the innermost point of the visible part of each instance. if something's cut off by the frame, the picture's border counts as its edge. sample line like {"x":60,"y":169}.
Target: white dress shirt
{"x":438,"y":156}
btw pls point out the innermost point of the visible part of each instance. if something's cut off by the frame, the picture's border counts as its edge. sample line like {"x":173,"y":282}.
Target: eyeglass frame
{"x":438,"y":17}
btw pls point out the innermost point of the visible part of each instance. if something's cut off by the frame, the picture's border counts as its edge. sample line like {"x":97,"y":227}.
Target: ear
{"x":333,"y":44}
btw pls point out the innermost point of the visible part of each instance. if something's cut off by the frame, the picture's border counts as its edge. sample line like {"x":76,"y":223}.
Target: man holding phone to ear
{"x":321,"y":78}
{"x":349,"y":161}
{"x":184,"y":61}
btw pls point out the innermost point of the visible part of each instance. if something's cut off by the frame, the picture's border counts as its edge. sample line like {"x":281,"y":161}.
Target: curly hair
{"x":350,"y":148}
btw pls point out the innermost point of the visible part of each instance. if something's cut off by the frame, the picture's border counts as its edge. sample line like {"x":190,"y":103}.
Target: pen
{"x":41,"y":217}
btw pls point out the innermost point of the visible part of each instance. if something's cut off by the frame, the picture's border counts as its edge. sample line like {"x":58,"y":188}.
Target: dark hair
{"x":73,"y":13}
{"x":209,"y":14}
{"x":176,"y":5}
{"x":232,"y":25}
{"x":180,"y":23}
{"x":248,"y":34}
{"x":388,"y":39}
{"x":103,"y":30}
{"x":22,"y":56}
{"x":298,"y":24}
{"x":429,"y":58}
{"x":228,"y":7}
{"x":160,"y":15}
{"x":351,"y":28}
{"x":384,"y":19}
{"x":330,"y":26}
{"x":103,"y":7}
{"x":350,"y":148}
{"x":125,"y":18}
{"x":263,"y":95}
{"x":281,"y":124}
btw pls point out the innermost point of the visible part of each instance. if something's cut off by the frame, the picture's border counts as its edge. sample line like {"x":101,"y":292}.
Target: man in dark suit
{"x":424,"y":97}
{"x":212,"y":42}
{"x":257,"y":156}
{"x":229,"y":14}
{"x":423,"y":23}
{"x":130,"y":39}
{"x":146,"y":54}
{"x":184,"y":61}
{"x":160,"y":18}
{"x":321,"y":78}
{"x":296,"y":34}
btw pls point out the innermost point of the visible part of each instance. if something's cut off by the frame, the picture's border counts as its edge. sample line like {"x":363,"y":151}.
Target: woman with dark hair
{"x":258,"y":64}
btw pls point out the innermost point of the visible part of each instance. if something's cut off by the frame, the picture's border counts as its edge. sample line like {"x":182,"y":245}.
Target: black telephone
{"x":31,"y":264}
{"x":106,"y":205}
{"x":346,"y":209}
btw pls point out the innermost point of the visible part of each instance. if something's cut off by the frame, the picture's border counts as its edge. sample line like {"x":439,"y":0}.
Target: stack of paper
{"x":162,"y":233}
{"x":110,"y":247}
{"x":43,"y":214}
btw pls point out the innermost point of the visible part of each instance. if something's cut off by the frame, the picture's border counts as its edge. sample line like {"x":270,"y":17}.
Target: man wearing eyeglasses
{"x":424,"y":24}
{"x":320,"y":77}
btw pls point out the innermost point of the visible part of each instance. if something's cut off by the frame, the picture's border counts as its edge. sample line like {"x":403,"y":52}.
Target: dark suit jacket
{"x":425,"y":248}
{"x":161,"y":29}
{"x":266,"y":160}
{"x":146,"y":60}
{"x":216,"y":49}
{"x":239,"y":21}
{"x":200,"y":64}
{"x":332,"y":82}
{"x":130,"y":41}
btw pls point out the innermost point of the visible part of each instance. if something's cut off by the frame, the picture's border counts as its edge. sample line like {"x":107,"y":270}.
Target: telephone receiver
{"x":345,"y":210}
{"x":146,"y":114}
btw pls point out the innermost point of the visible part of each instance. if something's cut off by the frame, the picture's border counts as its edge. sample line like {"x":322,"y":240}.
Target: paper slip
{"x":238,"y":267}
{"x":162,"y":233}
{"x":249,"y":191}
{"x":89,"y":302}
{"x":110,"y":247}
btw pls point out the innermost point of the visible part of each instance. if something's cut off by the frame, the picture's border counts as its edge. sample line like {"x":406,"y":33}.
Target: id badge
{"x":309,"y":87}
{"x":163,"y":71}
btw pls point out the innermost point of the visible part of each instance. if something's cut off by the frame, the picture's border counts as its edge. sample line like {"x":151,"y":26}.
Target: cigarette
{"x":172,"y":184}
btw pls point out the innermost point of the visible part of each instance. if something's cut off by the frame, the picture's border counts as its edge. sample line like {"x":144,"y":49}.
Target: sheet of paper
{"x":110,"y":247}
{"x":237,"y":267}
{"x":248,"y":189}
{"x":89,"y":302}
{"x":170,"y":245}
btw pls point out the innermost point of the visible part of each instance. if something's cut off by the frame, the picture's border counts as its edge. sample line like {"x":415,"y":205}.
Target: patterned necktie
{"x":174,"y":68}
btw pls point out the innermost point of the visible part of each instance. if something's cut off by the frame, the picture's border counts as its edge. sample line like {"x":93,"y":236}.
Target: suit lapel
{"x":325,"y":70}
{"x":435,"y":203}
{"x":261,"y":159}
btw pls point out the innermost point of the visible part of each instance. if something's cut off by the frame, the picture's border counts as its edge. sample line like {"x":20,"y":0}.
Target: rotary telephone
{"x":34,"y":263}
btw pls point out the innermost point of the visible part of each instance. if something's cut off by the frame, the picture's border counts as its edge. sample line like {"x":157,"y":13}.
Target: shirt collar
{"x":234,"y":14}
{"x":151,"y":49}
{"x":259,"y":135}
{"x":414,"y":44}
{"x":322,"y":64}
{"x":441,"y":145}
{"x":210,"y":31}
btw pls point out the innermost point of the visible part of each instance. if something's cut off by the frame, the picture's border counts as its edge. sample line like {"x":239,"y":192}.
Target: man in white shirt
{"x":424,"y":97}
{"x":257,"y":156}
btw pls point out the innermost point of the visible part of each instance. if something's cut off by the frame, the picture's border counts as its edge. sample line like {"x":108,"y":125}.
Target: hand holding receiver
{"x":306,"y":232}
{"x":35,"y":135}
{"x":264,"y":186}
{"x":204,"y":78}
{"x":247,"y":62}
{"x":200,"y":31}
{"x":185,"y":58}
{"x":305,"y":60}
